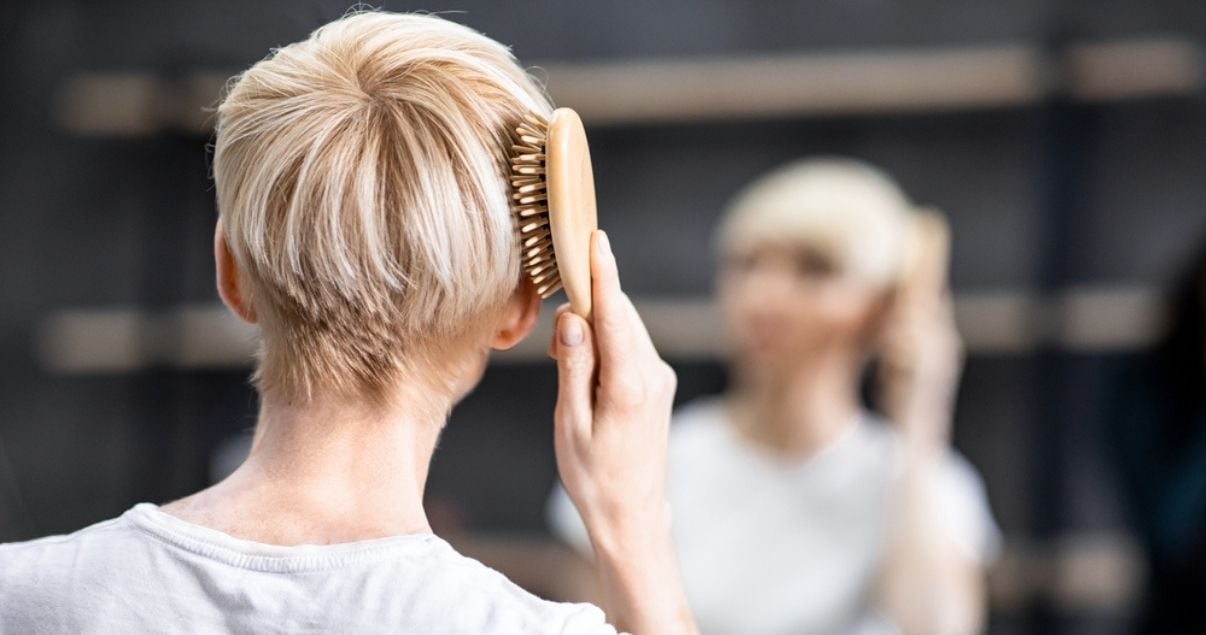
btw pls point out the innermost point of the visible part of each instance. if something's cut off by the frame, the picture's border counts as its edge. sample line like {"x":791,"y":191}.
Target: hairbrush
{"x":927,"y":256}
{"x":553,"y":199}
{"x":922,"y":282}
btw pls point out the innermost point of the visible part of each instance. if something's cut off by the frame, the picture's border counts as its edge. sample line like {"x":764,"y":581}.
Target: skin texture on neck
{"x":798,"y":412}
{"x":327,"y":471}
{"x":336,"y":469}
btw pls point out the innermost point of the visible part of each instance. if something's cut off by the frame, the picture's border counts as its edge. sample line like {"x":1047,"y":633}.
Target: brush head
{"x":553,"y":199}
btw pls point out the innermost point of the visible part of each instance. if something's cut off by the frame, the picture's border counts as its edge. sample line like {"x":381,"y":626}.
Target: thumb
{"x":575,"y":377}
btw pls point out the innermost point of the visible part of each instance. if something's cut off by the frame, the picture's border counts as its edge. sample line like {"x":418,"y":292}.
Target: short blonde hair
{"x":847,"y":210}
{"x":360,"y":186}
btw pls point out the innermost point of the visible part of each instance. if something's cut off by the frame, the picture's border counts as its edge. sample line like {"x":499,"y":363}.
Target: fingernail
{"x":604,"y":244}
{"x":571,"y":331}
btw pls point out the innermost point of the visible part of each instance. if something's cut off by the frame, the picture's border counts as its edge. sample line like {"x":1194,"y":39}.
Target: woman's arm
{"x":611,"y":438}
{"x":929,"y":584}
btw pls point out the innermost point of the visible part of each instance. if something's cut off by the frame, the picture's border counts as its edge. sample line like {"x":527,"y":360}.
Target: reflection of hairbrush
{"x":927,"y":256}
{"x":553,"y":198}
{"x":922,"y":282}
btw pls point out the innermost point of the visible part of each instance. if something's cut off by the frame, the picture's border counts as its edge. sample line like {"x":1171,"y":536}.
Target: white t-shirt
{"x":149,"y":572}
{"x":769,"y":546}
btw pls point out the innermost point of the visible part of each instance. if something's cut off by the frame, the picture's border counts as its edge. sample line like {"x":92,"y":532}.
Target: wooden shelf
{"x":652,"y":91}
{"x":122,"y":339}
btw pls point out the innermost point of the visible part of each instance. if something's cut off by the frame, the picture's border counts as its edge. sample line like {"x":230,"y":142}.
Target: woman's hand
{"x":921,"y":361}
{"x":612,"y":432}
{"x":612,"y":422}
{"x":927,"y":583}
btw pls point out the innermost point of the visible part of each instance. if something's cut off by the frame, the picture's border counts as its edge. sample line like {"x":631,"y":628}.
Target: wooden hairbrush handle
{"x":573,"y":216}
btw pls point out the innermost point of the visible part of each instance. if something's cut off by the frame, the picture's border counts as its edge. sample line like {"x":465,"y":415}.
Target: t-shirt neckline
{"x":768,"y":458}
{"x":248,"y":554}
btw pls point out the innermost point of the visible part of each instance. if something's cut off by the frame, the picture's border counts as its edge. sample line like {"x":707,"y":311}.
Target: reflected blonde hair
{"x":360,"y":186}
{"x":849,"y":211}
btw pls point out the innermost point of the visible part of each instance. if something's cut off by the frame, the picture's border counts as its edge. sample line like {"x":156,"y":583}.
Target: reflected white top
{"x":769,"y":546}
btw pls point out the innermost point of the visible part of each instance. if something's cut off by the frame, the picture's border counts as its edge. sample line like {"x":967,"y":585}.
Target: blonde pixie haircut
{"x":360,"y":187}
{"x":848,"y":211}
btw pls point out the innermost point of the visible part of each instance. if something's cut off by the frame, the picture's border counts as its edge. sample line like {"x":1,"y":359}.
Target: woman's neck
{"x":327,"y":471}
{"x":799,"y":412}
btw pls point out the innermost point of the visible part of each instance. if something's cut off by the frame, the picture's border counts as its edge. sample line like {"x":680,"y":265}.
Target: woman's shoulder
{"x":701,"y":411}
{"x":962,"y":495}
{"x":64,"y":545}
{"x":483,"y":600}
{"x":699,"y":421}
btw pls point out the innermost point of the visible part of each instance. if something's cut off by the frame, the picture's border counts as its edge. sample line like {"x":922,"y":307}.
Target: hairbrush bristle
{"x":529,"y":202}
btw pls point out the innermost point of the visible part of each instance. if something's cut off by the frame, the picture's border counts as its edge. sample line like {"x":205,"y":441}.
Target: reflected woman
{"x":796,"y":509}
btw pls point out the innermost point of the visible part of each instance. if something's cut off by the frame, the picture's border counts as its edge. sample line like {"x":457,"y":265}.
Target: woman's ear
{"x":227,"y":273}
{"x":519,"y":318}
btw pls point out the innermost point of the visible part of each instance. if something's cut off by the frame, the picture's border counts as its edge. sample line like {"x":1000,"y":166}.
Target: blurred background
{"x":1065,"y":140}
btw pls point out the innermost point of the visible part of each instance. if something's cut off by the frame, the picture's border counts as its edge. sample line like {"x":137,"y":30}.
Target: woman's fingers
{"x":575,"y":378}
{"x":552,"y":349}
{"x":608,"y":297}
{"x":622,"y":338}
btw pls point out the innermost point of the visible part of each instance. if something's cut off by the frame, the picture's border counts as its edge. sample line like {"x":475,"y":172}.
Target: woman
{"x":796,"y":510}
{"x":364,"y":227}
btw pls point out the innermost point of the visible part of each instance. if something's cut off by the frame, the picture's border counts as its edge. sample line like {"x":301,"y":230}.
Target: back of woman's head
{"x":360,"y":185}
